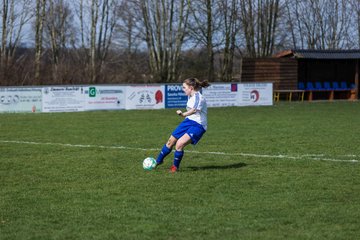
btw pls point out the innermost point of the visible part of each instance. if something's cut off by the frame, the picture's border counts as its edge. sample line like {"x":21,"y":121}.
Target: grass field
{"x":289,"y":171}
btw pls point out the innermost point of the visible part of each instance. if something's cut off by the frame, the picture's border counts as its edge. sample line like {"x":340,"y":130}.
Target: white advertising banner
{"x":63,"y":99}
{"x":20,"y":99}
{"x":221,"y":95}
{"x":145,"y":97}
{"x":255,"y":94}
{"x":115,"y":97}
{"x":105,"y":97}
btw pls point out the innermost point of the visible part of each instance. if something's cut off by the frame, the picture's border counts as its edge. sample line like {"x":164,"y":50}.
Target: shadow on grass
{"x":219,"y":167}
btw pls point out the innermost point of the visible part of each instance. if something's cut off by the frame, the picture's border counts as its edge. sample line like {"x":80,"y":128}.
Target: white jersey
{"x":199,"y":103}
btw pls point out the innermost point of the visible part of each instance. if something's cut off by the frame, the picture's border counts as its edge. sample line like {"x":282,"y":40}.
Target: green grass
{"x":286,"y":173}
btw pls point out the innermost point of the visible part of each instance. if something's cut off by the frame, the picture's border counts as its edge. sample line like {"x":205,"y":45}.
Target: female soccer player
{"x":191,"y":129}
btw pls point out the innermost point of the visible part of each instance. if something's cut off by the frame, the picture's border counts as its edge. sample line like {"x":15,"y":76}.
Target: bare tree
{"x":14,"y":17}
{"x":355,"y":5}
{"x":81,"y":18}
{"x":333,"y":23}
{"x":260,"y":21}
{"x":39,"y":26}
{"x":97,"y":23}
{"x":205,"y":22}
{"x":128,"y":27}
{"x":317,"y":24}
{"x":229,"y":11}
{"x":248,"y":23}
{"x":165,"y":25}
{"x":215,"y":25}
{"x":292,"y":13}
{"x":58,"y":33}
{"x":5,"y":12}
{"x":106,"y":32}
{"x":129,"y":41}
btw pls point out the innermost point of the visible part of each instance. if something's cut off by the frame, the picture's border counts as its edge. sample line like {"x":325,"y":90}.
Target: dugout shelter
{"x":308,"y":74}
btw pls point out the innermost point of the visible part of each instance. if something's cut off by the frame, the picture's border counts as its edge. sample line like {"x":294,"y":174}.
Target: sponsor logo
{"x":7,"y":100}
{"x":92,"y":92}
{"x":174,"y":88}
{"x":145,"y":97}
{"x":158,"y":97}
{"x":254,"y":95}
{"x":234,"y":87}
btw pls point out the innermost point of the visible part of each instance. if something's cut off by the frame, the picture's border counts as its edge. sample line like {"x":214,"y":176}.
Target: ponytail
{"x":196,"y":83}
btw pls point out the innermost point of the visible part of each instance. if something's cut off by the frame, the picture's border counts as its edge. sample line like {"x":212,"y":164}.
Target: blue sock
{"x":163,"y":153}
{"x":178,"y":155}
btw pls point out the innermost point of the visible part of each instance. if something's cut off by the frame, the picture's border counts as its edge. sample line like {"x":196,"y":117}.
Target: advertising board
{"x":63,"y":99}
{"x":20,"y":99}
{"x":255,"y":94}
{"x":104,"y":97}
{"x":118,"y":97}
{"x":145,"y":97}
{"x":221,"y":94}
{"x":175,"y":96}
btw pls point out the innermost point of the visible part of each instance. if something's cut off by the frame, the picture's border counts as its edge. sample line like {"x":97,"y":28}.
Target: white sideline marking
{"x":318,"y":157}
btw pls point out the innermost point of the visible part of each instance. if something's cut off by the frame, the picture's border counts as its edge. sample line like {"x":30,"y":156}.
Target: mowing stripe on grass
{"x":317,"y":157}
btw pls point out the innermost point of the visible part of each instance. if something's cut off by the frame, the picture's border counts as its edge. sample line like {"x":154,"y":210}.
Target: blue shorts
{"x":192,"y":128}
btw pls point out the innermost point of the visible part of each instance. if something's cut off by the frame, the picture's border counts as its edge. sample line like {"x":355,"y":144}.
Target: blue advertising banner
{"x":175,"y":97}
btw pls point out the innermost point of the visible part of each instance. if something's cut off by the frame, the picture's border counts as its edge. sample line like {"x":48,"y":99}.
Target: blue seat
{"x":301,"y":85}
{"x":318,"y":86}
{"x":336,"y":86}
{"x":352,"y":86}
{"x":327,"y":86}
{"x":309,"y":86}
{"x":343,"y":85}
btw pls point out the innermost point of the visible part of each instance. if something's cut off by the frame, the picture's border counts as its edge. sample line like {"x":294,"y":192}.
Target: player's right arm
{"x":187,"y":113}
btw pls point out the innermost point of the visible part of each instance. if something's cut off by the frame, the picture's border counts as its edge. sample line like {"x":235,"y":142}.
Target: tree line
{"x":148,"y":41}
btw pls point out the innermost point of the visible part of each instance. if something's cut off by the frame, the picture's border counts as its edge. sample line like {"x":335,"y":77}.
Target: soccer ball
{"x":149,"y":163}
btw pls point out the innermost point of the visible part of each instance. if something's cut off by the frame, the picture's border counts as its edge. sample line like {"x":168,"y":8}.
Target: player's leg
{"x":193,"y":136}
{"x":166,"y":149}
{"x":171,"y":142}
{"x":179,"y":151}
{"x":182,"y":142}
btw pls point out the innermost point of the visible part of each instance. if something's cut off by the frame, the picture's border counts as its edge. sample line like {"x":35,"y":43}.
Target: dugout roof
{"x":320,"y":54}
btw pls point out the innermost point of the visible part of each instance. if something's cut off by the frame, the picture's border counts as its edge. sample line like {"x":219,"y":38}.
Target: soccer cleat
{"x":173,"y":169}
{"x":157,"y":164}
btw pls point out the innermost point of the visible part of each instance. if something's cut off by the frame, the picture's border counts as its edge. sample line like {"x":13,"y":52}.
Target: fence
{"x":124,"y":97}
